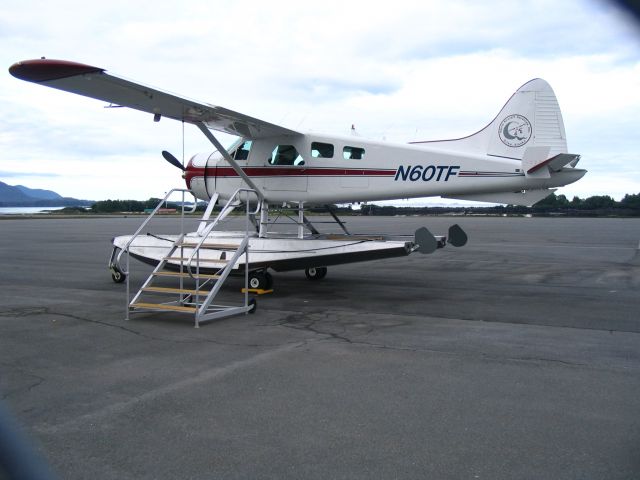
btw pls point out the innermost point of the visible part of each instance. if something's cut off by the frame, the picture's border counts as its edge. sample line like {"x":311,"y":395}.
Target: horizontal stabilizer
{"x":525,"y":199}
{"x":532,"y":158}
{"x":555,"y":164}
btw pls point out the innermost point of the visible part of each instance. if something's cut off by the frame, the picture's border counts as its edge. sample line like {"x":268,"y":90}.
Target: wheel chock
{"x":257,"y":291}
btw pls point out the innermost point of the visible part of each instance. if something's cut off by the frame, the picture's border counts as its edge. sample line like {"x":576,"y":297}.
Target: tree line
{"x":598,"y":205}
{"x":113,"y":206}
{"x":553,"y":204}
{"x":136,"y":206}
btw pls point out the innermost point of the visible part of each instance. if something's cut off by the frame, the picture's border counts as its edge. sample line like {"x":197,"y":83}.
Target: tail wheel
{"x":254,"y":305}
{"x":117,"y":275}
{"x":315,"y":273}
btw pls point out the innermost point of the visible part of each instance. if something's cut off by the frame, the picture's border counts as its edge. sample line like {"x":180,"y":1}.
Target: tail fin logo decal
{"x":515,"y":131}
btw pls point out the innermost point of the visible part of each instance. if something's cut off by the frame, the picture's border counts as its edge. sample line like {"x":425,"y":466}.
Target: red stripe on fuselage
{"x":228,"y":172}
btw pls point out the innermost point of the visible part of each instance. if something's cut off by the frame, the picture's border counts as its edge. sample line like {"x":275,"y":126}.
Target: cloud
{"x":411,"y":70}
{"x":10,"y":174}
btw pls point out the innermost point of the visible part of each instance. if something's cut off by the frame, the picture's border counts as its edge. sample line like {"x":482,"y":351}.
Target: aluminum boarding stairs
{"x":178,"y":284}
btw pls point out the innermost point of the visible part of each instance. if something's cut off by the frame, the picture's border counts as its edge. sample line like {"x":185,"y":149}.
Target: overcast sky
{"x":400,"y":71}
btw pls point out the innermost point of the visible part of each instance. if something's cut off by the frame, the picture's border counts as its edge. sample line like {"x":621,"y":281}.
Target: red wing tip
{"x":44,"y":69}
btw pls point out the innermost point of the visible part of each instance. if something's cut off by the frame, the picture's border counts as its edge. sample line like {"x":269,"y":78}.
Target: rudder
{"x":530,"y":118}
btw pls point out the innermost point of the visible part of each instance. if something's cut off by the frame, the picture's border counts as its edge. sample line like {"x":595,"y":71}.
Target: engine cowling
{"x":200,"y":174}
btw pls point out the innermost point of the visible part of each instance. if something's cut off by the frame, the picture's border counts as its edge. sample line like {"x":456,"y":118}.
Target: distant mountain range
{"x":21,"y":196}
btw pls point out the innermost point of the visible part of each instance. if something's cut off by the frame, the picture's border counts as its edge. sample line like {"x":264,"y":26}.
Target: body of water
{"x":25,"y":210}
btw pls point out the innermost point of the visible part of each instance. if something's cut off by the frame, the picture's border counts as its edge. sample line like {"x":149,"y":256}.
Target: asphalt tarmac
{"x":514,"y":357}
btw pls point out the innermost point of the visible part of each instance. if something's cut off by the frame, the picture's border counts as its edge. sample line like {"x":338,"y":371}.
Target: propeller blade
{"x":172,"y":160}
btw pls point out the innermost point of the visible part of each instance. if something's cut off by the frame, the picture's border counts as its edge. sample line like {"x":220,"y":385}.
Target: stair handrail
{"x":226,"y":271}
{"x":213,"y":224}
{"x":151,"y":215}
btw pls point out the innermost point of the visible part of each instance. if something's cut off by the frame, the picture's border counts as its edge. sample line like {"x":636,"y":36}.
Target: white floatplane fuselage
{"x":317,"y":169}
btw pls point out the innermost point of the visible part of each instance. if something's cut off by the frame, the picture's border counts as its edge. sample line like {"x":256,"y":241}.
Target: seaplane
{"x":519,"y":158}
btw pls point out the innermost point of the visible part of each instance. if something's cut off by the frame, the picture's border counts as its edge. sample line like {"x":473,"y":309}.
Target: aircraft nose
{"x":191,"y":171}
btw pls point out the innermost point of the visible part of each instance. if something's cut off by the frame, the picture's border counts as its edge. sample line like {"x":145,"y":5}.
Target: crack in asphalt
{"x":35,"y":311}
{"x":38,"y":381}
{"x":319,"y":324}
{"x":311,"y":326}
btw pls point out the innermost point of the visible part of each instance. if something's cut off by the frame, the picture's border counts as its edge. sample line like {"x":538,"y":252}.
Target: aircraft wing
{"x":95,"y":82}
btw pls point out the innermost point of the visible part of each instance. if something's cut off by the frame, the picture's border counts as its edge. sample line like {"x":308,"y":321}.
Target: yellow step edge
{"x":175,"y":290}
{"x":165,"y":273}
{"x":162,"y":306}
{"x":202,"y":260}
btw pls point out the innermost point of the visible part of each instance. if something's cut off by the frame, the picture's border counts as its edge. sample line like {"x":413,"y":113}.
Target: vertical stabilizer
{"x":531,"y":118}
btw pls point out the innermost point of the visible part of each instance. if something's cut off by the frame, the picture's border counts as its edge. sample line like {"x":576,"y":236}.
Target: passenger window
{"x":321,"y":150}
{"x":285,"y":155}
{"x":242,"y":152}
{"x":353,"y":153}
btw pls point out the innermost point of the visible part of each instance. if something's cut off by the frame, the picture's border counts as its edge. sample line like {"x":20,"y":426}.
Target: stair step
{"x":166,"y":273}
{"x":175,"y":290}
{"x":213,"y":246}
{"x":202,"y":260}
{"x":162,"y":306}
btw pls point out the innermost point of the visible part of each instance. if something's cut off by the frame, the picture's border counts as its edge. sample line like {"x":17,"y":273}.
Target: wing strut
{"x":335,"y":217}
{"x":223,"y":151}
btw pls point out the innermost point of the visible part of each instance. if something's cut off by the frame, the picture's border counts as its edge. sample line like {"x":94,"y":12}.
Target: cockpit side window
{"x":353,"y":153}
{"x":321,"y":150}
{"x":285,"y":155}
{"x":242,"y":152}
